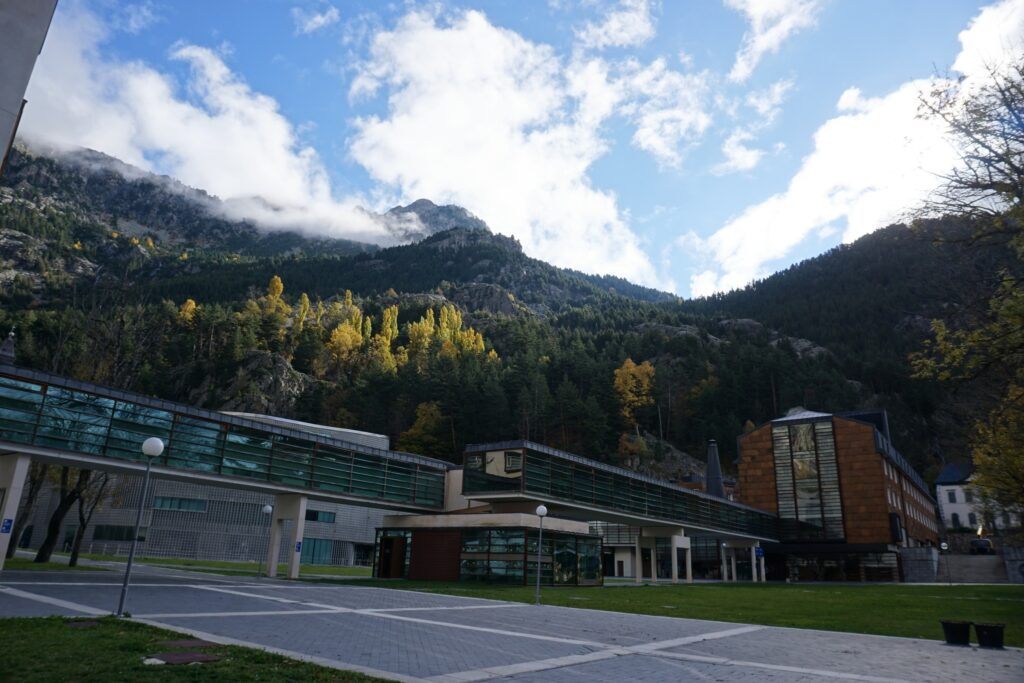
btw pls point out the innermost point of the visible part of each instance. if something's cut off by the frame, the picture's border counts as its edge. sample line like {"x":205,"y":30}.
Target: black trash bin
{"x":957,"y":632}
{"x":990,"y":635}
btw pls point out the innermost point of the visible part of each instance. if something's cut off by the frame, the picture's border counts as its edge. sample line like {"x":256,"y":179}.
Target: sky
{"x":690,"y":146}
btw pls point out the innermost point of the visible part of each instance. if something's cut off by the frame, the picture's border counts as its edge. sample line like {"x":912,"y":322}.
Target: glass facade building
{"x":500,"y":555}
{"x":530,"y":471}
{"x":51,"y":412}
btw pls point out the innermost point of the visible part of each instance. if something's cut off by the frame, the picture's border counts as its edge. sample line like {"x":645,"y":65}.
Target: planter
{"x":957,"y":632}
{"x":990,"y":635}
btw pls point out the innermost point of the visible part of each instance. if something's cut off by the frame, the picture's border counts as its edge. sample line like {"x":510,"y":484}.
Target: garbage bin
{"x":956,"y":632}
{"x":990,"y":635}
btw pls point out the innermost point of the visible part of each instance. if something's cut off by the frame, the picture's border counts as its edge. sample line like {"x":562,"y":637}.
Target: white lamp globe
{"x":268,"y":508}
{"x":152,"y":447}
{"x":542,"y":510}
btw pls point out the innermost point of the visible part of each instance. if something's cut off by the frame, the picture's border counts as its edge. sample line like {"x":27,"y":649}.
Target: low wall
{"x":1013,"y":556}
{"x":919,"y":565}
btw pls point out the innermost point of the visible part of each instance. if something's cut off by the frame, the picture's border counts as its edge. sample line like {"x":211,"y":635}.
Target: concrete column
{"x":654,"y":559}
{"x":753,"y":563}
{"x":689,"y":565}
{"x":293,"y":507}
{"x":13,"y":470}
{"x":724,"y":567}
{"x":732,"y":558}
{"x":638,"y":561}
{"x":675,"y":560}
{"x":764,"y":577}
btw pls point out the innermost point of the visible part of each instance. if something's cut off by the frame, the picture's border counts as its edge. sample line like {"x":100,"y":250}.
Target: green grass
{"x":44,"y":650}
{"x":889,"y":610}
{"x":25,"y":563}
{"x":235,"y":568}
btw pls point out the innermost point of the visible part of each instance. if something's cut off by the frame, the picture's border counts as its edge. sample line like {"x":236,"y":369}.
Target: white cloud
{"x":870,"y":164}
{"x":767,"y":102}
{"x":222,"y":137}
{"x":772,"y":22}
{"x":738,"y":157}
{"x":668,"y":108}
{"x":135,"y":18}
{"x":510,"y":134}
{"x":628,"y":26}
{"x":311,"y":21}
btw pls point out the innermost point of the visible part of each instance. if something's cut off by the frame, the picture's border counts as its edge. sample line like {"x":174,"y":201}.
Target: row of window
{"x":183,"y":504}
{"x":968,"y":495}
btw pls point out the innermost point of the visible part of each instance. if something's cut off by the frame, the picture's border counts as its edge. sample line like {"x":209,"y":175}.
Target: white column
{"x":732,"y":558}
{"x":293,"y":507}
{"x":753,"y":563}
{"x":638,"y":564}
{"x":654,"y":559}
{"x":764,"y":577}
{"x":689,"y":564}
{"x":724,"y":566}
{"x":675,"y":559}
{"x":13,"y":470}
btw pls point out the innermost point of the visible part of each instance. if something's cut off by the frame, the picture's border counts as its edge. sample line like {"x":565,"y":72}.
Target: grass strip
{"x":911,"y":611}
{"x":48,"y":649}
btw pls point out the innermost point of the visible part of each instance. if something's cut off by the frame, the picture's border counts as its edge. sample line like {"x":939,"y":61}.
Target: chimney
{"x":713,"y":475}
{"x":7,"y":349}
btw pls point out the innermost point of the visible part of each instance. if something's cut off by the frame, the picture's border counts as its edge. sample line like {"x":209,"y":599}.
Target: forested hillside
{"x":460,"y":337}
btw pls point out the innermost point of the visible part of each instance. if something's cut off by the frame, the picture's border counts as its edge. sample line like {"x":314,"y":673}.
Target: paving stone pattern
{"x":413,"y":636}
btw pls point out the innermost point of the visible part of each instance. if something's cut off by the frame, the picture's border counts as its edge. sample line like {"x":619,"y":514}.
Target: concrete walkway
{"x":412,"y":636}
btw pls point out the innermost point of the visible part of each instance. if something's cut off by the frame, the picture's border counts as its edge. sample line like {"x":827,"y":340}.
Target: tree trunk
{"x":67,"y":499}
{"x":36,"y":477}
{"x":85,"y":513}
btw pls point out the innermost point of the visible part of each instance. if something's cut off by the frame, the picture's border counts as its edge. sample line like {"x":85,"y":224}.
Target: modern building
{"x":489,"y":529}
{"x":23,"y":27}
{"x":846,"y":500}
{"x":960,"y":506}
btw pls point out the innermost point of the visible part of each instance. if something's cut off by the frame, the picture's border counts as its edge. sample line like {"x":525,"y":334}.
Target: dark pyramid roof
{"x":713,"y":476}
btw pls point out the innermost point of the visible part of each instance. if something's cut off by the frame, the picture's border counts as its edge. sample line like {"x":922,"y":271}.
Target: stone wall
{"x":1013,"y":556}
{"x":919,"y":565}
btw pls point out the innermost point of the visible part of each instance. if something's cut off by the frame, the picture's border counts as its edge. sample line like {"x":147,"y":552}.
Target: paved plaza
{"x":413,"y":636}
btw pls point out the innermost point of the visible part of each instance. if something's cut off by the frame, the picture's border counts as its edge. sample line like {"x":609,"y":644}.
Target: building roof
{"x":800,"y":417}
{"x":954,"y":473}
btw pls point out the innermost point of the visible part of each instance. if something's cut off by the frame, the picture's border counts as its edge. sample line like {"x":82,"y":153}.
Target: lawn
{"x":890,"y":610}
{"x":235,"y":568}
{"x":112,"y":650}
{"x":26,"y":564}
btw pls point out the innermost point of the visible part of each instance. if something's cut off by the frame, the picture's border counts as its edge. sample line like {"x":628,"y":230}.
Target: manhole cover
{"x":188,"y":642}
{"x":185,"y":657}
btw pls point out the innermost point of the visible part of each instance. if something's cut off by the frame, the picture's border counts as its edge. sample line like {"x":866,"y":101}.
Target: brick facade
{"x":755,"y":483}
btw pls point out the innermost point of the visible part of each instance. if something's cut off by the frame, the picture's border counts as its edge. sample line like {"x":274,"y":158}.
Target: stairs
{"x":971,"y":569}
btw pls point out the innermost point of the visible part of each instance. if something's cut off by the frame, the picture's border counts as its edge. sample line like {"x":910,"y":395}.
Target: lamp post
{"x":542,"y":511}
{"x":151,"y":448}
{"x":267,"y":509}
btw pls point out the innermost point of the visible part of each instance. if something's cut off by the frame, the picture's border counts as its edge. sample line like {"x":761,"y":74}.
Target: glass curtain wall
{"x":807,"y":481}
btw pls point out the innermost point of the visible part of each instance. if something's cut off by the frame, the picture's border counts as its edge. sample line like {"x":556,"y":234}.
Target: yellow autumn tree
{"x":633,"y":385}
{"x":187,"y":311}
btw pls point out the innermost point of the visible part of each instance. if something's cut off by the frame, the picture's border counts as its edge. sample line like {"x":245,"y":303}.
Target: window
{"x":184,"y":504}
{"x":474,"y":462}
{"x":972,"y":519}
{"x":112,"y":532}
{"x":968,"y":496}
{"x":956,"y":520}
{"x":952,"y":495}
{"x":320,"y":516}
{"x":513,"y":461}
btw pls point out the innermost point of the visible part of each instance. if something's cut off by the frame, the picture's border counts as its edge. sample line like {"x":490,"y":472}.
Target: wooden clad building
{"x":847,"y":501}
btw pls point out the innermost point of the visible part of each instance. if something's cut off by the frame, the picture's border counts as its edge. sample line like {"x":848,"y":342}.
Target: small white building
{"x":959,"y":507}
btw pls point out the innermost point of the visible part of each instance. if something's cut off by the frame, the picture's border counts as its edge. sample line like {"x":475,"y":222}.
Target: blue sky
{"x":692,"y":146}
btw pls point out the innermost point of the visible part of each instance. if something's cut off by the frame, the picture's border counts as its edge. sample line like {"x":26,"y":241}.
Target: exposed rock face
{"x":748,"y":327}
{"x":264,"y":383}
{"x":804,"y":348}
{"x":744,"y":326}
{"x":679,"y":331}
{"x":423,"y":218}
{"x":474,"y":297}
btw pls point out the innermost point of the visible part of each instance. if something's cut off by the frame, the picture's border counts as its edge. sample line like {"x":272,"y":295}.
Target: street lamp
{"x":151,"y":448}
{"x":267,"y":509}
{"x":542,"y":512}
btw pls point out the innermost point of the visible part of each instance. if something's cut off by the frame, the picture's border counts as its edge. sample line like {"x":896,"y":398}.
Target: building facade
{"x":847,"y":501}
{"x":961,"y":508}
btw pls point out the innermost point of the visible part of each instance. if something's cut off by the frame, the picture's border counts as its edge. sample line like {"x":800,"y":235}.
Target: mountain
{"x":121,"y":277}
